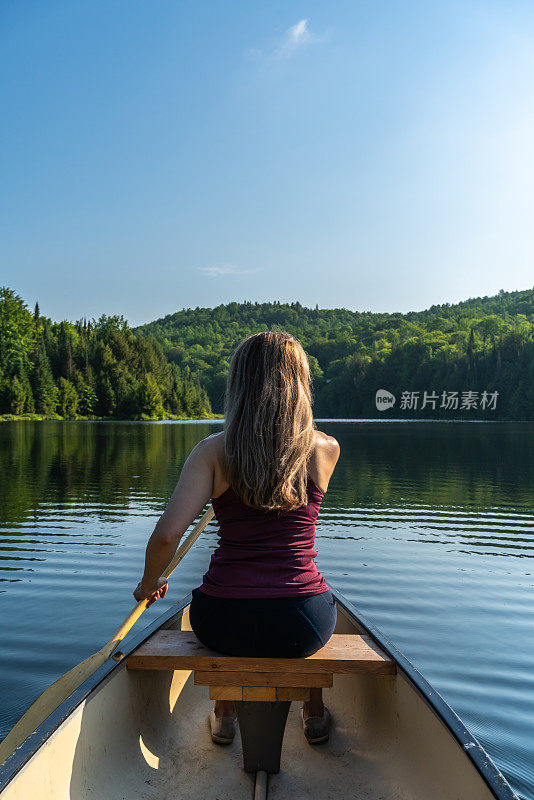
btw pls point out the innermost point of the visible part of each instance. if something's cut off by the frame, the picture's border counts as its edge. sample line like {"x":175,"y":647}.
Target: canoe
{"x":133,"y":733}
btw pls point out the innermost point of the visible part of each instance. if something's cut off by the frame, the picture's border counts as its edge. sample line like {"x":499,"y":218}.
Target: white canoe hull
{"x":144,"y":735}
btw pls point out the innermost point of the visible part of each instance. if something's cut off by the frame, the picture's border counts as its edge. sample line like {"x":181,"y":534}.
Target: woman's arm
{"x":191,"y":494}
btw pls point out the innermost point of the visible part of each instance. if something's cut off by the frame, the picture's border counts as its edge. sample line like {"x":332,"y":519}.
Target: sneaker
{"x":316,"y":729}
{"x":222,"y":729}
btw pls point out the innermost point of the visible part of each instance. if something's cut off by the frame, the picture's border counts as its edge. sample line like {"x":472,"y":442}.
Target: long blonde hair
{"x":269,"y":427}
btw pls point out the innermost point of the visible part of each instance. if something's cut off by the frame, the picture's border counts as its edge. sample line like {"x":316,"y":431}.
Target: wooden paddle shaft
{"x":136,"y":612}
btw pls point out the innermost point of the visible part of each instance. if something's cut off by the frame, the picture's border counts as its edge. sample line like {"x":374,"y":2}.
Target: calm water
{"x":428,"y":528}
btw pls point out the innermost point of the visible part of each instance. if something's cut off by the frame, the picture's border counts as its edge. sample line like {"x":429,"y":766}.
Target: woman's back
{"x":264,"y":553}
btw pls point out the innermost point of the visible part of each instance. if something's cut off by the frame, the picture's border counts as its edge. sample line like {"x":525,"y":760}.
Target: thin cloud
{"x":293,"y":40}
{"x":216,"y":272}
{"x":295,"y":37}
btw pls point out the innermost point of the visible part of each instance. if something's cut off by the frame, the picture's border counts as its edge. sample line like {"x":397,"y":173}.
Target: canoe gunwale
{"x":481,"y":760}
{"x":17,"y":760}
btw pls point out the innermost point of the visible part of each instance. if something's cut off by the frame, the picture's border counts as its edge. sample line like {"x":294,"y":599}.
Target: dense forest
{"x":482,"y":345}
{"x":89,"y":369}
{"x":470,"y":360}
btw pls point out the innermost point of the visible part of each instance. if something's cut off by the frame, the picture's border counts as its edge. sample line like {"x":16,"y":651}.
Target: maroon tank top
{"x":264,"y":553}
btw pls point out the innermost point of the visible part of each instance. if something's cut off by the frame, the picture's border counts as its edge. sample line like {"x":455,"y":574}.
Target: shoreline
{"x":220,"y":418}
{"x":57,"y":418}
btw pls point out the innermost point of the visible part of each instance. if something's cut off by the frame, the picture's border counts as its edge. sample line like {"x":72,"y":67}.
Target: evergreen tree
{"x":150,"y":402}
{"x":15,"y":395}
{"x":88,"y":401}
{"x":16,"y":332}
{"x":45,"y":392}
{"x":87,"y":396}
{"x":67,"y":399}
{"x":106,"y":398}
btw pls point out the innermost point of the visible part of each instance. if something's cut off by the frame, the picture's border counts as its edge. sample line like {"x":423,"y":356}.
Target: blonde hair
{"x":269,"y":427}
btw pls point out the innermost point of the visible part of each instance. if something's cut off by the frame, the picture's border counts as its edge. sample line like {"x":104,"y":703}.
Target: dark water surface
{"x":428,"y":528}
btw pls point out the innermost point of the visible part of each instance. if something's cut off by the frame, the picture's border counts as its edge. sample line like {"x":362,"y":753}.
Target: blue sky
{"x":161,"y":155}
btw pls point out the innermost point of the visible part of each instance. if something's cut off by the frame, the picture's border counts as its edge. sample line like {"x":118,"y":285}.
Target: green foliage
{"x":44,"y":389}
{"x":177,"y":366}
{"x":88,"y":399}
{"x":15,"y":395}
{"x":480,"y":344}
{"x":150,"y":401}
{"x":88,"y":368}
{"x":68,"y":399}
{"x":16,"y":330}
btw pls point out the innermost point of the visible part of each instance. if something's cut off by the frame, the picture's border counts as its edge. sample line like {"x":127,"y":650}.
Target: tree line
{"x":91,"y":369}
{"x":178,"y":365}
{"x":480,"y":345}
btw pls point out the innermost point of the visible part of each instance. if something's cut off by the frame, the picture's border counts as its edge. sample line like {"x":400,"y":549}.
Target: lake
{"x":427,"y":527}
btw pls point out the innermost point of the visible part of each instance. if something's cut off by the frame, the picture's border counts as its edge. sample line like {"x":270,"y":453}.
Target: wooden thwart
{"x":259,"y":693}
{"x":276,"y":679}
{"x":226,"y":692}
{"x":343,"y":653}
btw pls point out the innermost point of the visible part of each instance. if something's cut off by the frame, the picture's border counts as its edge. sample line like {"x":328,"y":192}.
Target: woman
{"x":266,"y":474}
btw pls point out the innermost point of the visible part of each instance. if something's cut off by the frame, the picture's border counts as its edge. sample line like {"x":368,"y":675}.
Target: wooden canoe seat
{"x":262,"y":688}
{"x":256,"y":679}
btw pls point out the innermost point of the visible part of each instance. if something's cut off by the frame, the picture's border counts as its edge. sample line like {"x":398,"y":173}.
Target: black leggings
{"x":280,"y":627}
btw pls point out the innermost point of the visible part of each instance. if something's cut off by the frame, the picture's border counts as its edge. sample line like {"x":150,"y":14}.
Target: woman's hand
{"x":159,"y":590}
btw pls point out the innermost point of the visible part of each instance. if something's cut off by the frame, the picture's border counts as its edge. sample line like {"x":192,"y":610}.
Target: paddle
{"x":52,"y":697}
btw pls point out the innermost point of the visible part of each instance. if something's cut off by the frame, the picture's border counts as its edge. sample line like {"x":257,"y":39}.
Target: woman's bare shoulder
{"x":327,"y":445}
{"x":215,"y":439}
{"x":323,"y":459}
{"x":212,"y":446}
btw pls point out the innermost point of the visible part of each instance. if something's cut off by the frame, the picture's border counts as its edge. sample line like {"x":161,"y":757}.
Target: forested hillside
{"x":481,"y":350}
{"x":480,"y":345}
{"x":90,"y":369}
